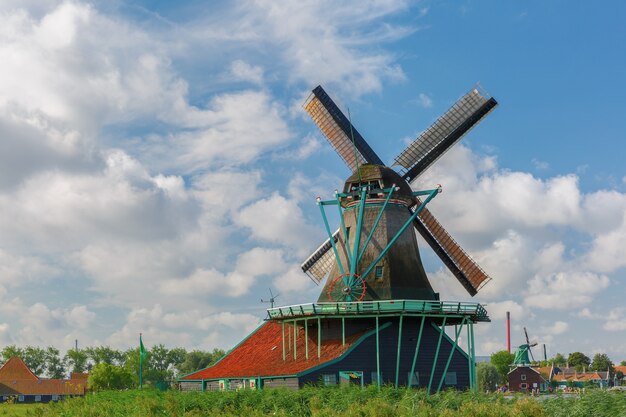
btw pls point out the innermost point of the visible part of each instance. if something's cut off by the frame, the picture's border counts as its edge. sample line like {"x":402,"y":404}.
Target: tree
{"x":10,"y":351}
{"x":501,"y":360}
{"x":35,"y":359}
{"x":601,"y":362}
{"x":578,"y":360}
{"x":559,"y":360}
{"x":622,"y":363}
{"x":55,"y":366}
{"x":104,"y":354}
{"x":488,"y":376}
{"x":104,"y":376}
{"x":176,"y":357}
{"x":76,"y":360}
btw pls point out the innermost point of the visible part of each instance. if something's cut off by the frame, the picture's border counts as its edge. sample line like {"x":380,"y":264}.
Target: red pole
{"x":508,"y":332}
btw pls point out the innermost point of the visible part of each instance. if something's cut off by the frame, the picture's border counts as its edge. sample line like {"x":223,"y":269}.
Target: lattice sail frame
{"x":462,"y":266}
{"x":447,"y":130}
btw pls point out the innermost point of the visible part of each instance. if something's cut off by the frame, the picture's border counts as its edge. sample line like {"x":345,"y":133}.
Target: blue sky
{"x":158,"y":174}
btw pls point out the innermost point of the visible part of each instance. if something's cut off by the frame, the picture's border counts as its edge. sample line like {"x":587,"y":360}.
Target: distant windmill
{"x":271,"y":300}
{"x":521,"y":355}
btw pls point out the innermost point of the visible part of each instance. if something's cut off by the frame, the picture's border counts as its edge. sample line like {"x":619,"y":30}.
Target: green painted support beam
{"x":417,"y":347}
{"x":330,"y":236}
{"x":375,"y":225}
{"x":377,"y":354}
{"x":295,"y":335}
{"x":343,"y":228}
{"x":457,"y":332}
{"x":357,"y":238}
{"x":469,"y":359}
{"x":473,"y":358}
{"x":431,"y":195}
{"x":319,"y":338}
{"x":306,"y":338}
{"x":203,"y":385}
{"x":432,"y":372}
{"x":398,"y":352}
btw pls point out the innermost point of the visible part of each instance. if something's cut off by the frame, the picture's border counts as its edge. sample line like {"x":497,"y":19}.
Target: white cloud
{"x":564,"y":290}
{"x":423,"y":100}
{"x":242,"y":71}
{"x":278,"y":220}
{"x":556,"y":328}
{"x":615,"y":320}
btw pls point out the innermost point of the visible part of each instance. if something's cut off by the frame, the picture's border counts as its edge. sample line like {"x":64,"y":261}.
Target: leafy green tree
{"x":578,"y":360}
{"x":76,"y":360}
{"x":104,"y":376}
{"x":104,"y":354}
{"x":559,"y":360}
{"x":176,"y":357}
{"x":601,"y":362}
{"x":488,"y":377}
{"x":502,"y":360}
{"x":622,"y":363}
{"x":55,"y":366}
{"x":35,"y":359}
{"x":10,"y":351}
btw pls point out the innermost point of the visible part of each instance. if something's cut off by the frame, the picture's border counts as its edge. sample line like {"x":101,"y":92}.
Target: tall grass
{"x":326,"y":402}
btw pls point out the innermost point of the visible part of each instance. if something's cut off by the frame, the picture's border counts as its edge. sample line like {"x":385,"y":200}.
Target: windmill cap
{"x":385,"y":176}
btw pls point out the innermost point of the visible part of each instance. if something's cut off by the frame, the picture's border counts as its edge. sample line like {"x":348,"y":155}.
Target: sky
{"x":158,"y":173}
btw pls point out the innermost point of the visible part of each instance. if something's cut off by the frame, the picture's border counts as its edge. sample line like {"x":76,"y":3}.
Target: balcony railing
{"x":384,"y":307}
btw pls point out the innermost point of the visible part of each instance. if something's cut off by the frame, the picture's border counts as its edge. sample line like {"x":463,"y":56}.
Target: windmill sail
{"x":320,"y":262}
{"x":469,"y":274}
{"x":445,"y":132}
{"x":339,"y":131}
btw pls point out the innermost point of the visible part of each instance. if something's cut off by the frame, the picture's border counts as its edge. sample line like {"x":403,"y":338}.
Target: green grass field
{"x":323,"y":402}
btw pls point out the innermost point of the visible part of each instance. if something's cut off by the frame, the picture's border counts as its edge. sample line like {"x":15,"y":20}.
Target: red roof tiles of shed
{"x":17,"y":379}
{"x":261,"y":354}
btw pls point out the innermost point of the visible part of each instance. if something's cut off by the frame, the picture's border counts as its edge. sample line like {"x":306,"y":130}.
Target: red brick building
{"x":526,"y":379}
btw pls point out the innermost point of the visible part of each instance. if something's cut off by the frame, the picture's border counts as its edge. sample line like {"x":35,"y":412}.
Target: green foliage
{"x":501,"y":360}
{"x":559,"y":360}
{"x":488,"y":377}
{"x":76,"y":360}
{"x":10,"y":351}
{"x":622,"y":363}
{"x":55,"y":366}
{"x":104,"y":376}
{"x":326,"y":402}
{"x":578,"y":360}
{"x":601,"y":362}
{"x":197,"y":359}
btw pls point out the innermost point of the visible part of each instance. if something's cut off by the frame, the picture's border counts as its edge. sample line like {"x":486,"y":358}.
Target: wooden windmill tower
{"x":380,"y":207}
{"x":377,"y":319}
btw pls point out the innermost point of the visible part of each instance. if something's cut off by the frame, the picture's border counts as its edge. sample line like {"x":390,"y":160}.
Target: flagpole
{"x":140,"y":363}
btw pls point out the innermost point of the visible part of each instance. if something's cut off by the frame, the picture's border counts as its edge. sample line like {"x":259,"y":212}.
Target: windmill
{"x":370,"y":257}
{"x":522,"y":352}
{"x":272,"y":299}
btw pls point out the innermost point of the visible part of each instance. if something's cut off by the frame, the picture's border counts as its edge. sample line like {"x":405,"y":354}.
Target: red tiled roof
{"x":42,"y":387}
{"x":16,"y":369}
{"x":620,"y":368}
{"x":261,"y":354}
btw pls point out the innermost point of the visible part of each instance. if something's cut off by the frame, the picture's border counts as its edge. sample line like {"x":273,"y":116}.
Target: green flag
{"x":142,"y":350}
{"x":142,"y":356}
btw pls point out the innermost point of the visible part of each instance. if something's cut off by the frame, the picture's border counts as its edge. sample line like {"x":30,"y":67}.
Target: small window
{"x":20,"y":398}
{"x":348,"y":234}
{"x":329,"y":379}
{"x":523,"y":385}
{"x":37,"y":398}
{"x":523,"y":377}
{"x":55,"y":397}
{"x":451,"y":378}
{"x":413,"y":380}
{"x":378,"y":272}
